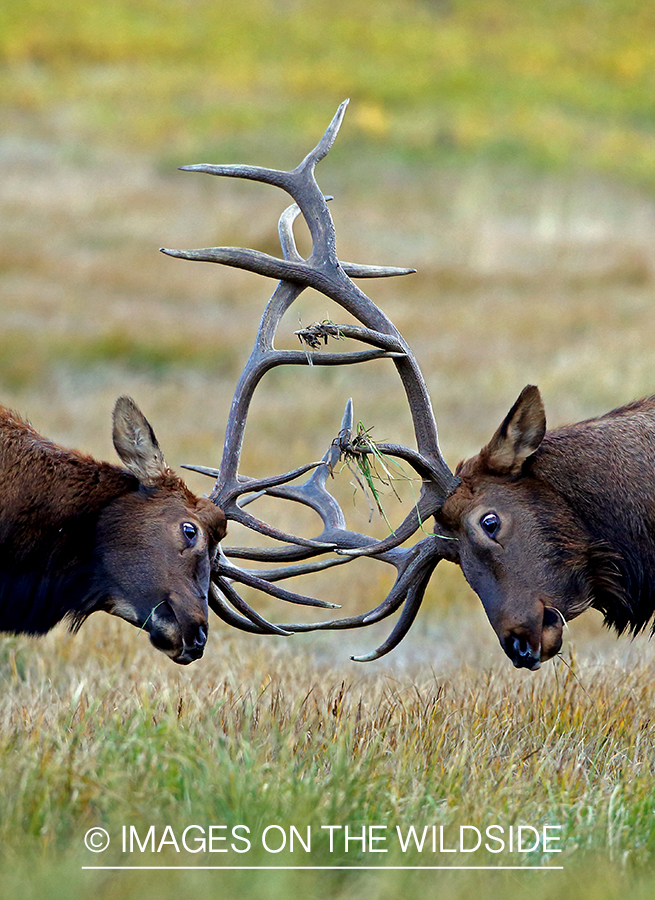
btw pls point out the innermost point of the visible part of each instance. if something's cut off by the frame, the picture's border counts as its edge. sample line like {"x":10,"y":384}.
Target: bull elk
{"x":543,"y":524}
{"x":550,"y":523}
{"x":78,"y":535}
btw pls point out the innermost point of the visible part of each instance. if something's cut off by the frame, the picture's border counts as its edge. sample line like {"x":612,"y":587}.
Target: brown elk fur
{"x":74,"y":539}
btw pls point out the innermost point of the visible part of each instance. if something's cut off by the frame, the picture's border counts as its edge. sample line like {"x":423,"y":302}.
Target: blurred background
{"x":505,"y":150}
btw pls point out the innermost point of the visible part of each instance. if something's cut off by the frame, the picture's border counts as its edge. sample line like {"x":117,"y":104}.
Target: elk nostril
{"x":520,"y":646}
{"x":192,"y":651}
{"x":201,"y":639}
{"x":521,"y":654}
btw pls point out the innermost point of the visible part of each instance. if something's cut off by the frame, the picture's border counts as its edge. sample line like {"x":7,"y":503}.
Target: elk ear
{"x":519,"y":435}
{"x":135,"y":442}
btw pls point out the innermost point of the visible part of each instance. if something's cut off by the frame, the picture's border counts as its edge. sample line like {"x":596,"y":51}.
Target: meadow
{"x":507,"y":152}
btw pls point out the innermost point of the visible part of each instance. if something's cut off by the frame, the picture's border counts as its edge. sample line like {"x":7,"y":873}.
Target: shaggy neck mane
{"x":621,"y":589}
{"x":605,"y":471}
{"x":48,"y":513}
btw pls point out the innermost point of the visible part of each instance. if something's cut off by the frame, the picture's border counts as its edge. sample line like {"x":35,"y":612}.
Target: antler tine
{"x":293,"y":571}
{"x":224,"y":569}
{"x":411,"y":564}
{"x":217,"y":603}
{"x":405,"y":621}
{"x":241,"y":258}
{"x":265,"y":626}
{"x":285,"y":232}
{"x":276,"y":177}
{"x":236,"y":514}
{"x":357,"y":271}
{"x":261,"y":485}
{"x":324,"y":146}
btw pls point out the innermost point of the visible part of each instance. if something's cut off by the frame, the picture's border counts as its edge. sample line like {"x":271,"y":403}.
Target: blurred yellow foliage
{"x":372,"y":119}
{"x":156,"y":74}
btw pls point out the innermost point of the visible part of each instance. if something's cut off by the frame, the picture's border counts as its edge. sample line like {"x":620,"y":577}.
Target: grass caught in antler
{"x":362,"y":458}
{"x":317,"y":334}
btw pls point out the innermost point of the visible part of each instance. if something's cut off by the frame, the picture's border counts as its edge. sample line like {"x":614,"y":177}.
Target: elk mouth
{"x":194,"y":651}
{"x":552,"y":632}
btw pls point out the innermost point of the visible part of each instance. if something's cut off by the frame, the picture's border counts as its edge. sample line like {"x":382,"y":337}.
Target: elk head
{"x":155,"y":545}
{"x":503,"y":516}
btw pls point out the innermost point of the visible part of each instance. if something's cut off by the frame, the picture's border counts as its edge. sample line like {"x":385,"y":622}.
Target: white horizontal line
{"x":324,"y":868}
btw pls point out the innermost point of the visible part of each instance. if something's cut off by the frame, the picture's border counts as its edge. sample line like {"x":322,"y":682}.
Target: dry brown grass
{"x":97,"y":729}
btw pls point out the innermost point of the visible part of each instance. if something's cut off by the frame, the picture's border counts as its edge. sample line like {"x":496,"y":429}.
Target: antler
{"x":232,"y":491}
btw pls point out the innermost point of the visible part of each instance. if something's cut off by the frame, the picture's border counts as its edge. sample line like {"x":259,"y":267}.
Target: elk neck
{"x":49,"y":508}
{"x":604,"y":471}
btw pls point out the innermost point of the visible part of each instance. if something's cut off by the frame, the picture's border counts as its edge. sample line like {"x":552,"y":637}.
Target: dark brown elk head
{"x":550,"y":523}
{"x":155,"y":545}
{"x":499,"y":515}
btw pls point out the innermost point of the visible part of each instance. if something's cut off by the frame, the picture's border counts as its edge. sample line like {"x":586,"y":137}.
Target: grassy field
{"x":507,"y":151}
{"x":97,"y":731}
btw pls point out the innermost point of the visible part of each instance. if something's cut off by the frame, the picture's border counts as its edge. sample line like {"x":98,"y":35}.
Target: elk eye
{"x":190,"y":532}
{"x":490,"y":524}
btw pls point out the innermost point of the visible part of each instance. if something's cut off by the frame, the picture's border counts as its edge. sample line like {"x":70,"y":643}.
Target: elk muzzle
{"x":534,"y":640}
{"x":182,"y":641}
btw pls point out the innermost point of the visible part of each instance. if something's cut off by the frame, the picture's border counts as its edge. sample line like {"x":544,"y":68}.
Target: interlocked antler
{"x":232,"y":491}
